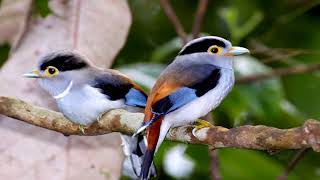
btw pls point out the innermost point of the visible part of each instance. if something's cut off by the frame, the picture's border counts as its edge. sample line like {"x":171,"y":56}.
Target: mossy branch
{"x":249,"y":137}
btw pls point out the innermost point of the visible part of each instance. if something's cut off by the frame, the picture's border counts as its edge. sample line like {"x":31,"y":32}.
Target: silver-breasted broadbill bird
{"x":195,"y":83}
{"x":84,"y":92}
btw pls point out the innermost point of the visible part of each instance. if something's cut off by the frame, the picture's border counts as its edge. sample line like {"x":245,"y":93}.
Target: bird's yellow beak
{"x":33,"y":74}
{"x":236,"y":50}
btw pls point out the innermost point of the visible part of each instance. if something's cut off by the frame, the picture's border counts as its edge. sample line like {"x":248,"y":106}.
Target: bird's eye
{"x":214,"y":49}
{"x":51,"y":71}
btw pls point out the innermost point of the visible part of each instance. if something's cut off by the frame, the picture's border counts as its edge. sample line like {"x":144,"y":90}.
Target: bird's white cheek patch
{"x":64,"y":92}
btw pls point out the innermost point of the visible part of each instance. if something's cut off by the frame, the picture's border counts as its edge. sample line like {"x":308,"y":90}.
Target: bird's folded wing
{"x":136,"y":98}
{"x":190,"y":83}
{"x":174,"y":101}
{"x":168,"y":104}
{"x":115,"y":87}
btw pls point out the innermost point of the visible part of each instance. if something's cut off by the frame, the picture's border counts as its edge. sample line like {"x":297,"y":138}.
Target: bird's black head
{"x":211,"y":44}
{"x":63,"y":61}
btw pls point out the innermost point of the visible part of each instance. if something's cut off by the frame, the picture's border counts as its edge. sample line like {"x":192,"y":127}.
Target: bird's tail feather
{"x":146,"y":168}
{"x":146,"y":124}
{"x":153,"y":136}
{"x":135,"y":148}
{"x":138,"y":156}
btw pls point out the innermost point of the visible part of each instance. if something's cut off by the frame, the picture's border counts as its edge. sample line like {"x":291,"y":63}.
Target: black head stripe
{"x":202,"y":46}
{"x":63,"y":62}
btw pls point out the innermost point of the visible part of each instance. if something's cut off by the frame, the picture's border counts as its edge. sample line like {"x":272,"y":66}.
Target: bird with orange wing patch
{"x":195,"y":83}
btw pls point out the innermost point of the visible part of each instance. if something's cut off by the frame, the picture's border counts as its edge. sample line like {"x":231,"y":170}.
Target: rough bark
{"x":248,"y":137}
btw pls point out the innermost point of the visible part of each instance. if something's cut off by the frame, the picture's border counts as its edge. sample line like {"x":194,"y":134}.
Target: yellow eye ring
{"x":214,"y":49}
{"x":51,"y":71}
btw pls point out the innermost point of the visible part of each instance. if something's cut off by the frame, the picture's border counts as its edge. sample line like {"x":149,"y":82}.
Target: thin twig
{"x":284,"y":19}
{"x":213,"y":153}
{"x":283,"y":55}
{"x":278,"y":54}
{"x":174,"y":20}
{"x":214,"y":168}
{"x":76,"y":28}
{"x":26,"y":24}
{"x":293,"y":162}
{"x":279,"y":72}
{"x":201,"y":11}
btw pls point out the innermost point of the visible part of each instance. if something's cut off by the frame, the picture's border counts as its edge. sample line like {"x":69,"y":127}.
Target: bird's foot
{"x":200,"y":124}
{"x":100,"y":117}
{"x":82,"y":128}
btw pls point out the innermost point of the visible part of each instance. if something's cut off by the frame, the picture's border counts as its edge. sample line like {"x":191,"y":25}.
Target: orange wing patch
{"x":165,"y":90}
{"x":153,"y":133}
{"x":159,"y":91}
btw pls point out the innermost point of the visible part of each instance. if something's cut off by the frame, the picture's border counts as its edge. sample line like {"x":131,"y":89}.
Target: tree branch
{"x":197,"y":23}
{"x":215,"y":164}
{"x":213,"y":153}
{"x":249,"y":137}
{"x":174,"y":20}
{"x":293,"y":162}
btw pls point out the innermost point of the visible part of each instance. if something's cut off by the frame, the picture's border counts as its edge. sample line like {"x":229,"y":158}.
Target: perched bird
{"x":195,"y":83}
{"x":83,"y":93}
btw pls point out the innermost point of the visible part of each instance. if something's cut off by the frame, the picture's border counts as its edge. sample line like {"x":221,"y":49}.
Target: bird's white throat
{"x":64,"y":92}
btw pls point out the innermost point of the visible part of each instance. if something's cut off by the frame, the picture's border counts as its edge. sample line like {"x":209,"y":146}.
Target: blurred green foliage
{"x":280,"y":102}
{"x":41,"y":8}
{"x":239,"y":31}
{"x":263,"y":102}
{"x":4,"y":52}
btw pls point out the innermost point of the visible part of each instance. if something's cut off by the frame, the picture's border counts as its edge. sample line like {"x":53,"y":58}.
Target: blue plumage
{"x":170,"y":103}
{"x":174,"y":101}
{"x":135,"y":98}
{"x":181,"y":97}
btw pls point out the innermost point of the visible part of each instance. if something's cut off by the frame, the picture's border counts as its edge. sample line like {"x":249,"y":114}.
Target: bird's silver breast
{"x":204,"y":104}
{"x":83,"y":105}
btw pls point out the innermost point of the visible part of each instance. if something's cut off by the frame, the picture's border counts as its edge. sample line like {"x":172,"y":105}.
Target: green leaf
{"x":42,"y":8}
{"x":248,"y":164}
{"x":303,"y":91}
{"x":4,"y":53}
{"x":239,"y":31}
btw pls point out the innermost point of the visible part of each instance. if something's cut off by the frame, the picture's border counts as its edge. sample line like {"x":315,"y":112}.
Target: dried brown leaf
{"x":13,"y":20}
{"x":96,"y":29}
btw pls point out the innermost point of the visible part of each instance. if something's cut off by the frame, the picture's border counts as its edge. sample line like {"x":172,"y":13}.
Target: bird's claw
{"x":100,"y":116}
{"x":82,"y":129}
{"x":200,"y":124}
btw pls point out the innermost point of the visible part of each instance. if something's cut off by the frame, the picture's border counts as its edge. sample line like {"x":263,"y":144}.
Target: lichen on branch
{"x":248,"y":137}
